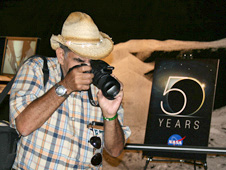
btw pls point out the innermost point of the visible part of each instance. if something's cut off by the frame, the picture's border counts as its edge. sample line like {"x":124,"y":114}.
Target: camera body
{"x":103,"y":80}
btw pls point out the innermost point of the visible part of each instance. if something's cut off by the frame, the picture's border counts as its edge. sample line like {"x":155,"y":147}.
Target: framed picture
{"x":16,"y":51}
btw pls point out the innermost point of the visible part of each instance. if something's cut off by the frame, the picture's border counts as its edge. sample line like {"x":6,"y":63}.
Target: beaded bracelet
{"x":112,"y":118}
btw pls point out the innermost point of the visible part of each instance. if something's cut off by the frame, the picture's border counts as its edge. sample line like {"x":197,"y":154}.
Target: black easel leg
{"x":194,"y":164}
{"x":205,"y":165}
{"x":147,"y":162}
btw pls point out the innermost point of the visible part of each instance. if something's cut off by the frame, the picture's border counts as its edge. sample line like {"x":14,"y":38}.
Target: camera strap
{"x":91,"y":99}
{"x":62,"y":74}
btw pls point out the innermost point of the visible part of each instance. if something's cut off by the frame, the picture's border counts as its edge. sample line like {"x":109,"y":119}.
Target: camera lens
{"x":109,"y":86}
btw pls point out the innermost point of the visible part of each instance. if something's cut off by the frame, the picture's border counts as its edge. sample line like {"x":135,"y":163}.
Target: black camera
{"x":102,"y":79}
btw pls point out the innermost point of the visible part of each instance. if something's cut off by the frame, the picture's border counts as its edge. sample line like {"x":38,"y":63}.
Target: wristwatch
{"x":61,"y":90}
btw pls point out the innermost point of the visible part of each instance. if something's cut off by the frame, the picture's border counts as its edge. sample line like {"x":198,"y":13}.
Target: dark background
{"x":202,"y":20}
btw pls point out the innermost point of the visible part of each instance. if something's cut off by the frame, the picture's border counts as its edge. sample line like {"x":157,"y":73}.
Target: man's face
{"x":71,"y":60}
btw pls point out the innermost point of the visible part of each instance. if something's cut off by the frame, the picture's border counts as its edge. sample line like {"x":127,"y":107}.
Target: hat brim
{"x":91,"y":51}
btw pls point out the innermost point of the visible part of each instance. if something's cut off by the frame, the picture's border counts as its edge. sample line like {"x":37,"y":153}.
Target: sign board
{"x":181,"y":105}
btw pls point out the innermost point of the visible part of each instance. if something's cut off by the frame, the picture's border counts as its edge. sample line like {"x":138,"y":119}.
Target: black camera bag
{"x":8,"y":140}
{"x":8,"y":136}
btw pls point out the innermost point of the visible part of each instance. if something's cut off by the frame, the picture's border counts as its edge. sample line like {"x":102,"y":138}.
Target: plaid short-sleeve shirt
{"x":62,"y":142}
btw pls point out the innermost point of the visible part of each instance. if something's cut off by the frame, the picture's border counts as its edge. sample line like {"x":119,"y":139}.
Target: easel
{"x":196,"y":150}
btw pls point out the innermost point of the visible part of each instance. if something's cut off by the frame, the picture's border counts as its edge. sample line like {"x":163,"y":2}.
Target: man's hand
{"x":78,"y":79}
{"x":110,"y":107}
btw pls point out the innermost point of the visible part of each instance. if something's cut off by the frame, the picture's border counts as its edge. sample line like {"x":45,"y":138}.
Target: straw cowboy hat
{"x":81,"y":35}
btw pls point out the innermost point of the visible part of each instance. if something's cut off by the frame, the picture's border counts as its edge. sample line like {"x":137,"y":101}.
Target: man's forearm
{"x":113,"y":137}
{"x":38,"y":112}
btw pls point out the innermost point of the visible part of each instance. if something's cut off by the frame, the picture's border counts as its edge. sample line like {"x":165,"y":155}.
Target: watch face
{"x":60,"y":90}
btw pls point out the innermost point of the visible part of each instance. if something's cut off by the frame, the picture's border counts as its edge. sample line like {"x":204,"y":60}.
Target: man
{"x":53,"y":119}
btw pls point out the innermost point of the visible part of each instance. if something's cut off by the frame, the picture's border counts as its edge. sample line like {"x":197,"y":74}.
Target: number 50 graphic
{"x":182,"y":95}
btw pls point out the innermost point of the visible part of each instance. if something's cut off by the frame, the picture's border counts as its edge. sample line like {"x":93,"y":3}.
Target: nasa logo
{"x":176,"y":140}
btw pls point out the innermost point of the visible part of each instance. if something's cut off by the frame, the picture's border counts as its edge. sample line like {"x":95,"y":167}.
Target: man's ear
{"x":60,"y":55}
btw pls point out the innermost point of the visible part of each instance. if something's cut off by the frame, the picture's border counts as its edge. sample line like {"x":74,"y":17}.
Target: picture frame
{"x":16,"y":51}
